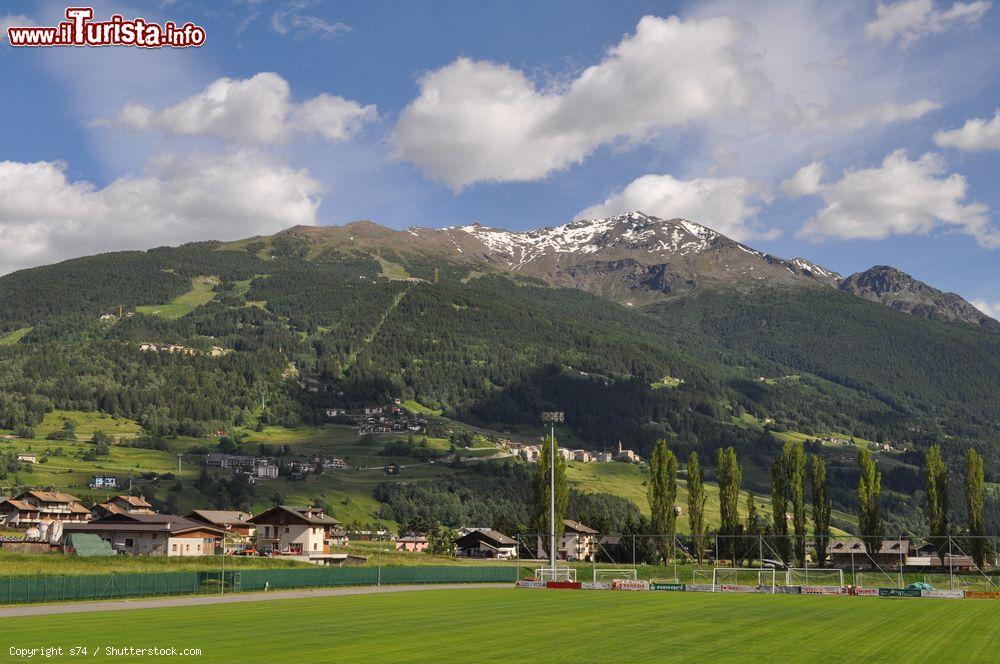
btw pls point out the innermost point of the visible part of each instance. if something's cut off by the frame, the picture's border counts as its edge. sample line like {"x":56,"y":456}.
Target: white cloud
{"x":45,"y":217}
{"x":991,"y":309}
{"x":12,"y":20}
{"x":912,"y":20}
{"x":861,"y":116}
{"x":480,"y":121}
{"x":734,"y":82}
{"x":975,"y":135}
{"x":288,"y":19}
{"x":900,"y":197}
{"x":253,"y":110}
{"x":805,"y":182}
{"x":723,"y":204}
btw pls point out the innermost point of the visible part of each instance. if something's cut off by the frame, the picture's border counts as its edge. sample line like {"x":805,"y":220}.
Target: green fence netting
{"x":31,"y":589}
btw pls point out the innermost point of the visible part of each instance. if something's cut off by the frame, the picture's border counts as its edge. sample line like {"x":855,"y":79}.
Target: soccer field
{"x":539,"y":626}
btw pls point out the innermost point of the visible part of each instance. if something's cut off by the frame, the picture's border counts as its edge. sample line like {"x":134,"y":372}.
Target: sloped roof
{"x":176,"y":524}
{"x":134,"y":501}
{"x":20,"y":505}
{"x":476,"y":536}
{"x":220,"y":517}
{"x":301,"y":515}
{"x":577,"y":527}
{"x":51,"y":496}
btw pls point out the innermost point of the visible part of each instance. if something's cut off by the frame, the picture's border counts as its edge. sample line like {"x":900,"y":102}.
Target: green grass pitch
{"x":521,"y":625}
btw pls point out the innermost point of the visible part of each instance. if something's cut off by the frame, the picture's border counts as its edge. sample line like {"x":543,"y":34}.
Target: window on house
{"x":286,"y":529}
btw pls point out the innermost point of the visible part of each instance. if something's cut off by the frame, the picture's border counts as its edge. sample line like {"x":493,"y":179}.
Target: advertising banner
{"x":866,"y":592}
{"x":981,"y":594}
{"x":788,"y":590}
{"x":945,"y":594}
{"x":628,"y":584}
{"x":595,"y":585}
{"x":898,"y":592}
{"x":530,"y":584}
{"x":822,"y":590}
{"x":700,"y":588}
{"x":731,"y":588}
{"x":563,"y":585}
{"x":667,"y":586}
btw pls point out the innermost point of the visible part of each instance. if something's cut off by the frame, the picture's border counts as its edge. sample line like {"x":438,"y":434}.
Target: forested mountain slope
{"x":312,"y":319}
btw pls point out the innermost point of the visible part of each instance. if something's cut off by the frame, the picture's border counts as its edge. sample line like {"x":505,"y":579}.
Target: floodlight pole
{"x":552,"y":417}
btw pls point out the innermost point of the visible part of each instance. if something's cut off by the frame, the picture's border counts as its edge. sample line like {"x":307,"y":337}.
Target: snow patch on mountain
{"x":633,"y":230}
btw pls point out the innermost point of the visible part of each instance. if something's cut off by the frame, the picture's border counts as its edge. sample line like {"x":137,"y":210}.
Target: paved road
{"x":202,"y":600}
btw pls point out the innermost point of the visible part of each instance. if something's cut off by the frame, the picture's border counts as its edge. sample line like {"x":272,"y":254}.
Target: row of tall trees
{"x":937,"y":490}
{"x":789,"y":474}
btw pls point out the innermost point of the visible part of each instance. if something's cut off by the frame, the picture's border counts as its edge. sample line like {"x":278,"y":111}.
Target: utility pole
{"x":179,"y":455}
{"x":552,"y":417}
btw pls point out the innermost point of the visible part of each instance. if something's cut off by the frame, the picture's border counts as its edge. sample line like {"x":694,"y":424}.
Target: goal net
{"x":615,"y":574}
{"x":812,"y":576}
{"x":700,"y":576}
{"x":877,"y":580}
{"x":557,"y":574}
{"x":743,"y":579}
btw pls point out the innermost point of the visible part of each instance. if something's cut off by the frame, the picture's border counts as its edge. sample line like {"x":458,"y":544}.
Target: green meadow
{"x":506,"y":624}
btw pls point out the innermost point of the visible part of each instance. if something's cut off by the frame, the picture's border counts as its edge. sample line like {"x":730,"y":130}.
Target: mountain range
{"x":638,"y":259}
{"x":638,"y":328}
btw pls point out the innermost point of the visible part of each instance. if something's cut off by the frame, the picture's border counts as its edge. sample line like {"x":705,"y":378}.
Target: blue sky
{"x":851,"y":134}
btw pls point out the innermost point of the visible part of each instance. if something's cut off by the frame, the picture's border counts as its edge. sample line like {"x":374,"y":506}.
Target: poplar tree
{"x":753,"y":528}
{"x":869,"y":517}
{"x":662,"y":493}
{"x":974,"y":499}
{"x":795,"y":467}
{"x":541,"y":491}
{"x":730,"y":477}
{"x":936,"y":487}
{"x":821,"y":510}
{"x":696,"y":506}
{"x":779,"y":504}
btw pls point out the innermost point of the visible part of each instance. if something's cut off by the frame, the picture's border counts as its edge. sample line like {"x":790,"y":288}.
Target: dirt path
{"x":202,"y":600}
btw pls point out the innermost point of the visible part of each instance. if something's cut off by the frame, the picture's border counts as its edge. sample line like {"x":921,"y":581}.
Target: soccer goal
{"x":615,"y":574}
{"x":743,"y":579}
{"x":557,"y":574}
{"x":813,"y":576}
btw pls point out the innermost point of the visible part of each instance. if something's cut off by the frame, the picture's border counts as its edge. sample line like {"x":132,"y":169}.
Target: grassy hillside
{"x":348,"y":492}
{"x":202,"y":292}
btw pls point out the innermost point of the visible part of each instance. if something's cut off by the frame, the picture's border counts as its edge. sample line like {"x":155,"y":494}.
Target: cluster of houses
{"x":391,"y":418}
{"x":129,"y":525}
{"x":579,"y":542}
{"x":530,"y":453}
{"x":896,"y":554}
{"x":256,"y":467}
{"x":214,"y":351}
{"x":265,"y":468}
{"x":300,"y":469}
